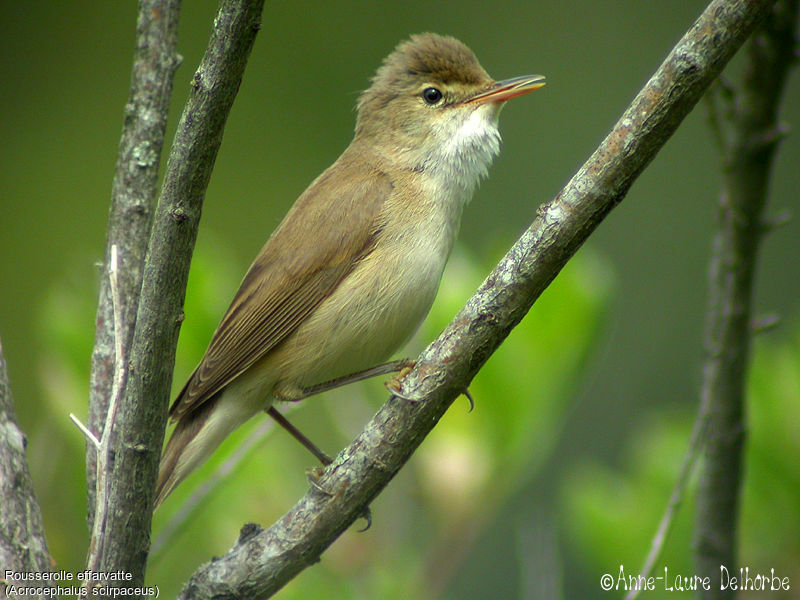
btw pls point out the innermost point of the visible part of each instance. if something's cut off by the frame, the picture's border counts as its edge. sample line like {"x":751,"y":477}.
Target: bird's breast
{"x":384,"y":299}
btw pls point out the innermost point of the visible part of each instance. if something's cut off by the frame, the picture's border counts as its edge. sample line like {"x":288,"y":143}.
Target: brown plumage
{"x":295,"y":270}
{"x":353,"y":268}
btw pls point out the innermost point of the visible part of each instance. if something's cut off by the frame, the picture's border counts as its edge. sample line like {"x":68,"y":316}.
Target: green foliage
{"x":522,"y":393}
{"x":770,"y":520}
{"x":612,"y":514}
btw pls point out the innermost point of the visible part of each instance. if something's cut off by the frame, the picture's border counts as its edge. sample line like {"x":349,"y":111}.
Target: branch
{"x":23,"y":548}
{"x":750,"y":137}
{"x":104,"y":456}
{"x":261,"y":562}
{"x":142,"y":413}
{"x":675,"y":499}
{"x":133,"y":196}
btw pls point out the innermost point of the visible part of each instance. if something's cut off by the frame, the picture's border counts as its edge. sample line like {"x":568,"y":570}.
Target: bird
{"x":353,"y":268}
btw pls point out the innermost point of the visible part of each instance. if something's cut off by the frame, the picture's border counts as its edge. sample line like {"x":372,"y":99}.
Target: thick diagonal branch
{"x":261,"y":562}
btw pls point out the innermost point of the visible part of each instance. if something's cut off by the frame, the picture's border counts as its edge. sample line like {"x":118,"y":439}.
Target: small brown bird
{"x":353,"y":268}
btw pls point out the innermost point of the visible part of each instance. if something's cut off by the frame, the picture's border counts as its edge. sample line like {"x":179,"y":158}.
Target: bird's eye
{"x":431,"y":95}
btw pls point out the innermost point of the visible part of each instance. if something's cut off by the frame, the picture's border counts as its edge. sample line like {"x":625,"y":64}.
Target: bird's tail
{"x":200,"y":432}
{"x":184,"y":452}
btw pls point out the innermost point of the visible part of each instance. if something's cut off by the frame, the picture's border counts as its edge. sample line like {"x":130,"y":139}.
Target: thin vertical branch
{"x":675,"y":499}
{"x":125,"y":539}
{"x":133,"y":196}
{"x":103,"y":447}
{"x":747,"y":126}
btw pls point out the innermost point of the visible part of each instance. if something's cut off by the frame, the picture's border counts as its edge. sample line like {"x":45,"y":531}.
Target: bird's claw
{"x":314,"y":474}
{"x":366,"y":514}
{"x":470,"y":398}
{"x":395,"y":384}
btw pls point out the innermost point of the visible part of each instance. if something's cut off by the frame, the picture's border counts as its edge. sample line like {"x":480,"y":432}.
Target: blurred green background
{"x":562,"y":470}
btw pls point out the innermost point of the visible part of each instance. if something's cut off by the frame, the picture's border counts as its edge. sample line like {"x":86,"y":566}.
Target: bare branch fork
{"x":133,"y":198}
{"x":262,"y":561}
{"x":138,"y":432}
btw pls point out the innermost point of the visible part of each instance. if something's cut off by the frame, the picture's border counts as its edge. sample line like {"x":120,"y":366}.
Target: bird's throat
{"x":465,"y":144}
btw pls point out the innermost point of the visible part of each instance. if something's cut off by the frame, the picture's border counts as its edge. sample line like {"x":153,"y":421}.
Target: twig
{"x":133,"y":198}
{"x":676,"y":497}
{"x":103,"y":445}
{"x":142,"y":414}
{"x":88,"y":434}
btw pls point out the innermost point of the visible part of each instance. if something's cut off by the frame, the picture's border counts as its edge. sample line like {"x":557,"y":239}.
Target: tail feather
{"x":199,"y":433}
{"x":174,"y":466}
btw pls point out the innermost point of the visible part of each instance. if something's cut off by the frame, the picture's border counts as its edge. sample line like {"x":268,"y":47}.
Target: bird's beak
{"x":500,"y":91}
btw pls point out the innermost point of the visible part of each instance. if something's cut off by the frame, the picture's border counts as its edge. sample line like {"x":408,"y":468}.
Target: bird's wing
{"x":302,"y":263}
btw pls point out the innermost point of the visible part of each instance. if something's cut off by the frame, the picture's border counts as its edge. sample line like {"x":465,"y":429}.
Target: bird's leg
{"x":299,"y":436}
{"x":292,"y":394}
{"x":403,"y":365}
{"x":313,"y":474}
